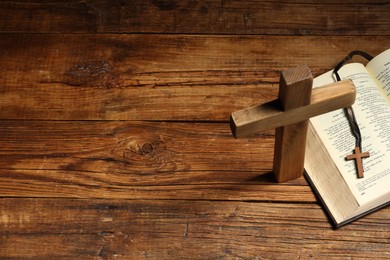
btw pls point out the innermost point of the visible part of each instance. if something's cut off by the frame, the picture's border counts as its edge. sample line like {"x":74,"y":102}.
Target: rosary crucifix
{"x":358,"y":155}
{"x":289,"y":114}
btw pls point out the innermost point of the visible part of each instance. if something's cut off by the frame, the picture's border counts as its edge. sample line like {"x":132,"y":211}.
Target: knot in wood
{"x":146,"y":148}
{"x":89,"y":69}
{"x":91,"y":73}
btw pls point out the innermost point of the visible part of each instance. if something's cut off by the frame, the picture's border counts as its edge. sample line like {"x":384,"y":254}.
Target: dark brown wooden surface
{"x":314,"y":17}
{"x":114,"y":129}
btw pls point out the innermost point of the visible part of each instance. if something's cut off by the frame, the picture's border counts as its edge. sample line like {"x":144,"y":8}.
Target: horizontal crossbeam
{"x":270,"y":115}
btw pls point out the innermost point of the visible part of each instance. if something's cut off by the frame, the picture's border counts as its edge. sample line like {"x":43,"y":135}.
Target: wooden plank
{"x":154,"y":77}
{"x":201,"y":17}
{"x":109,"y":229}
{"x":145,"y":160}
{"x":142,"y":184}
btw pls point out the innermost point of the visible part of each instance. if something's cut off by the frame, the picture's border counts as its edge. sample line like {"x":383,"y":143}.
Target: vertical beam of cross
{"x":290,"y":141}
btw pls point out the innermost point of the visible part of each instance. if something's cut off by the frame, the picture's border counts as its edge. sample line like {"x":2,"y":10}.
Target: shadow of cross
{"x":289,"y":114}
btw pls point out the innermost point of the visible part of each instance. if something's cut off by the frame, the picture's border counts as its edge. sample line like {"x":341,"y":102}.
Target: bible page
{"x":379,"y":68}
{"x":372,"y":114}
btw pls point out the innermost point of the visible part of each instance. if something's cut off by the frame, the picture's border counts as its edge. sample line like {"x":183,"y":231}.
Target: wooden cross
{"x":289,"y":114}
{"x":357,"y":156}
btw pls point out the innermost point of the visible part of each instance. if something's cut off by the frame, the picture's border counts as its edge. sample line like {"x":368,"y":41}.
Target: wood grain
{"x":138,"y":229}
{"x":142,"y":160}
{"x":114,"y":135}
{"x":317,"y":17}
{"x":154,"y":77}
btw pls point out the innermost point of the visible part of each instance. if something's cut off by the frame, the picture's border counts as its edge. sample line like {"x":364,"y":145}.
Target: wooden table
{"x":114,"y":134}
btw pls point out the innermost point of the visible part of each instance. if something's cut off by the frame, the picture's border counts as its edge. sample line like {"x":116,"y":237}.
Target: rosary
{"x":358,"y":155}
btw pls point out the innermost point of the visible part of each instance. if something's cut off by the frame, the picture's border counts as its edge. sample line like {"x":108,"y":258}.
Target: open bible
{"x":334,"y":179}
